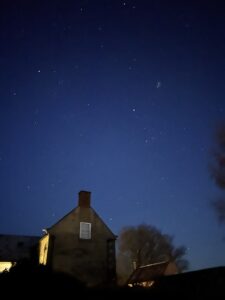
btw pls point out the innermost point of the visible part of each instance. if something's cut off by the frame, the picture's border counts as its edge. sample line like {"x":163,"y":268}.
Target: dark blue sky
{"x":120,"y":98}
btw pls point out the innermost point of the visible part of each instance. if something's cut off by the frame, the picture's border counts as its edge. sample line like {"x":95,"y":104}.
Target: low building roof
{"x":148,"y":272}
{"x":15,"y":247}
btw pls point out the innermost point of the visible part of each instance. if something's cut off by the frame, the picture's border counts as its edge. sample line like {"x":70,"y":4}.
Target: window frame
{"x":85,"y":234}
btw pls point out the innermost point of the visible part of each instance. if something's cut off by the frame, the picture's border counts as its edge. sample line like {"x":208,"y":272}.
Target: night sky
{"x":120,"y":98}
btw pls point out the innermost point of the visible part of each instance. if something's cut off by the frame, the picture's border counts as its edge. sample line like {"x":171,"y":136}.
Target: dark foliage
{"x":145,"y":244}
{"x":28,"y":278}
{"x":43,"y":283}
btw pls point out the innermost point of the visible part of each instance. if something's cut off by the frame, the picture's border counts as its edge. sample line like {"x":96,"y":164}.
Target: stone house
{"x":81,"y":244}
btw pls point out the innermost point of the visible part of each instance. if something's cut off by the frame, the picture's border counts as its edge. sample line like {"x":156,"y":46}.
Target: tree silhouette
{"x":217,"y":169}
{"x":145,"y":244}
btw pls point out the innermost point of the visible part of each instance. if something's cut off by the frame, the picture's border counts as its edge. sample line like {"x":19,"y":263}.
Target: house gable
{"x":70,"y":223}
{"x":82,"y":245}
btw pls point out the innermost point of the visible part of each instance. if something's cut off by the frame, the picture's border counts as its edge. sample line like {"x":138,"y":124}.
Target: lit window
{"x":85,"y":231}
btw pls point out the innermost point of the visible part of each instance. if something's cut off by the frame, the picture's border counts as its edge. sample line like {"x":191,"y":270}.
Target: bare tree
{"x":217,"y":169}
{"x":145,"y":244}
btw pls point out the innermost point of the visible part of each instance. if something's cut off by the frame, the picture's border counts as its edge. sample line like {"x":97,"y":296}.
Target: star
{"x":158,"y":84}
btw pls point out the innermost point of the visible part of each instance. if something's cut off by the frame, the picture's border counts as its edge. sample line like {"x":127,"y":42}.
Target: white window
{"x":85,"y":230}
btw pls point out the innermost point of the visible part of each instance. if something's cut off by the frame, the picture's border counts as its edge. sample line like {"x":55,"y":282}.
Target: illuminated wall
{"x":43,"y":249}
{"x":5,"y":265}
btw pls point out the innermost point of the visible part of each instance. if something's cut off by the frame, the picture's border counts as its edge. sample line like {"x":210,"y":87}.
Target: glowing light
{"x":5,"y":265}
{"x":43,"y":250}
{"x":158,"y":84}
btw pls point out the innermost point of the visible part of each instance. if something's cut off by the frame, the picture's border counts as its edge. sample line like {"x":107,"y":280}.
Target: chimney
{"x":84,"y":199}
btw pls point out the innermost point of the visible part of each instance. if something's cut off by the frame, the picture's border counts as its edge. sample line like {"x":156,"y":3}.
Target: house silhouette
{"x":81,"y":245}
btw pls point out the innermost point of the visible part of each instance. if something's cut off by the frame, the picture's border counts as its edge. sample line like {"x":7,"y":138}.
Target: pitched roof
{"x":75,"y":210}
{"x":148,"y":272}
